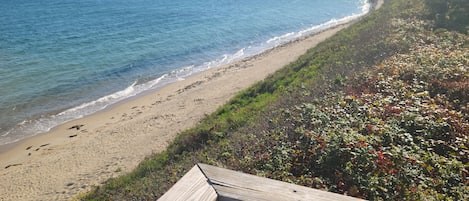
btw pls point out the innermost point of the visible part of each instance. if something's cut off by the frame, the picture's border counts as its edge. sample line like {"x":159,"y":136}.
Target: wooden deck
{"x":206,"y":182}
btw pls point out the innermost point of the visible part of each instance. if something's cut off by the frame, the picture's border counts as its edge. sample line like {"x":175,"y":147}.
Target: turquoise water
{"x":63,"y":59}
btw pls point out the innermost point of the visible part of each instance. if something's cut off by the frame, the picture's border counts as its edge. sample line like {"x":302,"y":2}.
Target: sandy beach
{"x":73,"y":157}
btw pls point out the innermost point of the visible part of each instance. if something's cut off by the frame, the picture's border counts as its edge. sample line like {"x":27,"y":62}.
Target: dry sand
{"x":79,"y":154}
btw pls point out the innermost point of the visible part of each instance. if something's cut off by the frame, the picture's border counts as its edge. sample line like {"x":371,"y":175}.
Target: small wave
{"x":45,"y":123}
{"x":366,"y":7}
{"x":279,"y":40}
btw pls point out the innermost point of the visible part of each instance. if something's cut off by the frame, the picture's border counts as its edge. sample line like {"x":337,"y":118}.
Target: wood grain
{"x":206,"y":182}
{"x":232,"y":185}
{"x":193,"y":186}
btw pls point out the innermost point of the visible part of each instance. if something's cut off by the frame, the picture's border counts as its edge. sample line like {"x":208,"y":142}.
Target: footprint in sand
{"x":12,"y":165}
{"x":76,"y":127}
{"x":44,"y":145}
{"x":41,"y":146}
{"x":157,"y":102}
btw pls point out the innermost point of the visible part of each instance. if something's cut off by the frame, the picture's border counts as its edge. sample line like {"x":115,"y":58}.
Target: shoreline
{"x":87,"y":151}
{"x":46,"y":121}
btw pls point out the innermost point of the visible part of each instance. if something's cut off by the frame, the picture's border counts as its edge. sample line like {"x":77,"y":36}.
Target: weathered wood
{"x":193,"y":186}
{"x":232,"y":185}
{"x":206,"y":182}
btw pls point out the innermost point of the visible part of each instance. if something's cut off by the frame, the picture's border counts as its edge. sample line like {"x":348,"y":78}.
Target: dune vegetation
{"x":378,"y":111}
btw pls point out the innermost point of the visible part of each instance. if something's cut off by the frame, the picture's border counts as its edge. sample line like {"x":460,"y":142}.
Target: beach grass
{"x":293,"y":126}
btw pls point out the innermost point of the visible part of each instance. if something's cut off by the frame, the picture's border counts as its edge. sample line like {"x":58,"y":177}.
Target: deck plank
{"x":209,"y":183}
{"x":193,"y":186}
{"x":231,"y":185}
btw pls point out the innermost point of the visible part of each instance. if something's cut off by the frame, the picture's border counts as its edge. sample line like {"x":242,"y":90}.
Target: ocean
{"x":64,"y":59}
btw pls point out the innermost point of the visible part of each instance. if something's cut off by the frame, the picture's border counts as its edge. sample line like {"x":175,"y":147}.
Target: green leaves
{"x":391,"y":134}
{"x":450,"y":14}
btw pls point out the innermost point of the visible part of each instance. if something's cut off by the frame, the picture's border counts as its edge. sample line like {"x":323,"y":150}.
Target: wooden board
{"x":193,"y":186}
{"x":206,"y":182}
{"x":232,"y":185}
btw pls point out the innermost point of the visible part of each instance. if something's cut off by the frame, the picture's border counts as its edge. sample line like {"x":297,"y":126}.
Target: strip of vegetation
{"x":450,"y":14}
{"x":399,"y":130}
{"x":378,"y":111}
